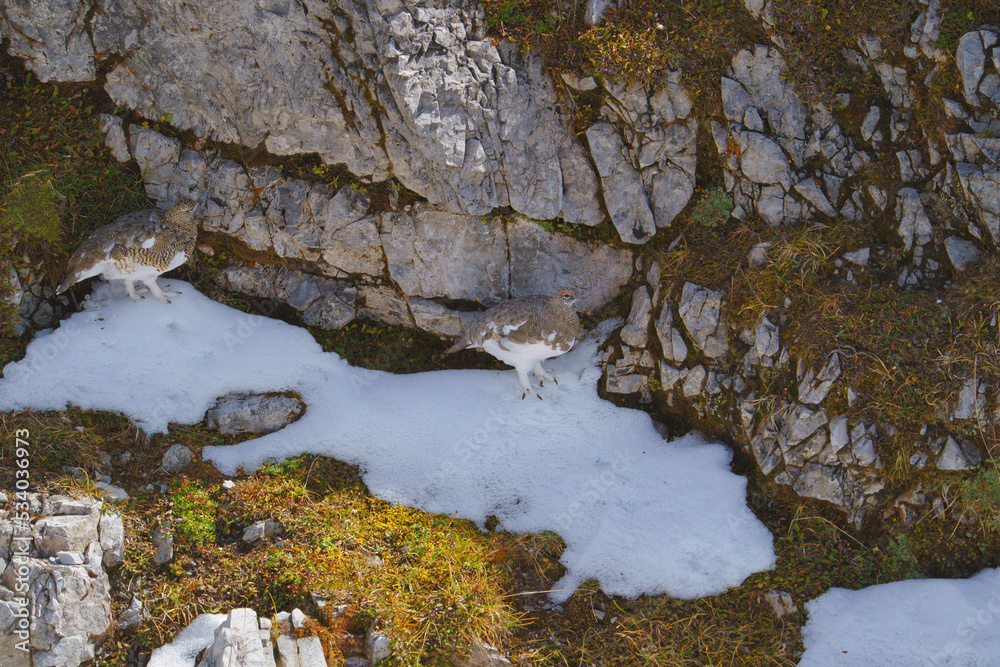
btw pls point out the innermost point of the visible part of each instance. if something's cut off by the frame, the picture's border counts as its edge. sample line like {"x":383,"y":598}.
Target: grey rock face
{"x":114,"y":137}
{"x":437,"y":319}
{"x":163,"y":542}
{"x":176,"y":458}
{"x":257,"y":532}
{"x":71,"y":609}
{"x":702,"y":314}
{"x":543,"y":263}
{"x":65,"y":533}
{"x":430,"y":253}
{"x":133,"y":616}
{"x":914,"y":225}
{"x":239,"y":642}
{"x":971,"y":61}
{"x":466,"y":124}
{"x":955,"y":456}
{"x":52,"y":36}
{"x":662,"y":136}
{"x":780,"y":603}
{"x":328,"y":304}
{"x":627,"y":203}
{"x":112,"y":538}
{"x":421,"y":247}
{"x":961,"y":253}
{"x":813,"y":387}
{"x":253,"y":413}
{"x":981,"y":187}
{"x":69,"y":604}
{"x":636,"y":330}
{"x":671,"y":339}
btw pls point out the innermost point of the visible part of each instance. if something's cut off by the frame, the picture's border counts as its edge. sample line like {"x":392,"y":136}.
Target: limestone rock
{"x":627,"y":201}
{"x":694,"y":381}
{"x":703,"y":316}
{"x":70,"y":610}
{"x":176,"y":458}
{"x":52,"y":37}
{"x":814,"y":195}
{"x":257,"y":532}
{"x":239,"y":643}
{"x":813,"y":387}
{"x":65,"y":533}
{"x":780,"y":603}
{"x":114,"y":137}
{"x":767,"y":341}
{"x":914,"y":225}
{"x":671,"y":340}
{"x":133,"y":616}
{"x":378,"y":646}
{"x":328,"y":304}
{"x":635,"y":333}
{"x":384,"y":304}
{"x":981,"y":187}
{"x":662,"y":136}
{"x":421,"y":248}
{"x":479,"y":654}
{"x":253,"y":413}
{"x":163,"y":542}
{"x":955,"y":456}
{"x":112,"y":539}
{"x":971,"y":61}
{"x":544,"y":262}
{"x":961,"y":253}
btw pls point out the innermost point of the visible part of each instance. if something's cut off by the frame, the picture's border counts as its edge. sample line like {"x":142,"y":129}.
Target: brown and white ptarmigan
{"x":523,"y":332}
{"x":137,"y":247}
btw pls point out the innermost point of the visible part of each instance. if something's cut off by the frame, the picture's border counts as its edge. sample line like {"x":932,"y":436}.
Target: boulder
{"x":704,"y":318}
{"x":176,"y":458}
{"x":253,"y":413}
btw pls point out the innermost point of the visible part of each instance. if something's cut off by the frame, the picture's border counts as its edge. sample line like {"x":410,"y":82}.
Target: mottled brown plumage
{"x":137,"y":247}
{"x":523,"y":332}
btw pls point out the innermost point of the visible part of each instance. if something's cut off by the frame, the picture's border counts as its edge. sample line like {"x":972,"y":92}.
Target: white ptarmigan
{"x":137,"y":247}
{"x":523,"y":332}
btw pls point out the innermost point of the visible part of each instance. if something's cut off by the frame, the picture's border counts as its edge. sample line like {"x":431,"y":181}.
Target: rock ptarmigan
{"x":523,"y":332}
{"x":137,"y":247}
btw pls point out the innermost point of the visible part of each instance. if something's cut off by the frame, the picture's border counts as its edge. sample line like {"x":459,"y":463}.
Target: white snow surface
{"x":640,"y":514}
{"x":917,"y":623}
{"x":189,"y":642}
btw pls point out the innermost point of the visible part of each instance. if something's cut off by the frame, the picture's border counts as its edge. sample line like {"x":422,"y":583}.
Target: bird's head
{"x":567,"y":298}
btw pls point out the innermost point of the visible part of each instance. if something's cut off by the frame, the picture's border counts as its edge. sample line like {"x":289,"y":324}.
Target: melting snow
{"x":640,"y":514}
{"x":932,"y":622}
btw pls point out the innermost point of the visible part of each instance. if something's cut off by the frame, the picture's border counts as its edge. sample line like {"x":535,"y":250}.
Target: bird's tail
{"x":458,"y":346}
{"x":70,"y":280}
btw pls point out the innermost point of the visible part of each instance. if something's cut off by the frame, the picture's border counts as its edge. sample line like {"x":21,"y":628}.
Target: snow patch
{"x":932,"y":622}
{"x":640,"y":514}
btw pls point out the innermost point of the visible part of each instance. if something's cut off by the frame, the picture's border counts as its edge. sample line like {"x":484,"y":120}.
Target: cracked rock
{"x":703,"y":317}
{"x":635,"y":333}
{"x":253,"y":413}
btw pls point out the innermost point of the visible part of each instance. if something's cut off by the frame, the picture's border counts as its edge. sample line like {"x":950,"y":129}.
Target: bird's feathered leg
{"x":542,"y":374}
{"x":157,"y":292}
{"x":130,"y":290}
{"x":522,"y":375}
